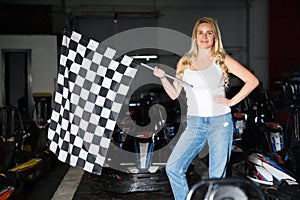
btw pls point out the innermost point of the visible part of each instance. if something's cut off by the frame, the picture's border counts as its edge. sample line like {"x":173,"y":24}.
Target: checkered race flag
{"x":92,"y":83}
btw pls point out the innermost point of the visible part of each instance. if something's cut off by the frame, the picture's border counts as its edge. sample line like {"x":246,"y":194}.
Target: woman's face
{"x":205,"y":36}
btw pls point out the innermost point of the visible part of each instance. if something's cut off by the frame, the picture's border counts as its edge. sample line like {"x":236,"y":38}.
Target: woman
{"x":207,"y":68}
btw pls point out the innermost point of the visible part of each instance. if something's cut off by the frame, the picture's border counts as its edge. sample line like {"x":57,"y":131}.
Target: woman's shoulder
{"x":229,"y":60}
{"x":228,"y":57}
{"x":223,"y":57}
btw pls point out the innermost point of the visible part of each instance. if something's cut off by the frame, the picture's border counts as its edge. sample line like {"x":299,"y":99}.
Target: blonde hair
{"x":217,"y":50}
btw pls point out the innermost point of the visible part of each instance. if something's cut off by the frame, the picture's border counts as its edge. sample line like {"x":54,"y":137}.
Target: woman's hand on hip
{"x":222,"y":100}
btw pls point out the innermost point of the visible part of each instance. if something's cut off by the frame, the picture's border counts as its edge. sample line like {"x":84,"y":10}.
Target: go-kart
{"x":139,"y":150}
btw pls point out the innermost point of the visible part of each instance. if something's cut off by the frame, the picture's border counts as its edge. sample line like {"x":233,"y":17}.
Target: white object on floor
{"x":68,"y":185}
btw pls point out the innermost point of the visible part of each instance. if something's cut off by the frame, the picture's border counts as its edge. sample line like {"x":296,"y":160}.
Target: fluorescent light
{"x":146,"y":57}
{"x":115,"y":18}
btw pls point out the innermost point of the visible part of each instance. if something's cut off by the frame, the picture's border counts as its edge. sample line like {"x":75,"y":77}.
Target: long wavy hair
{"x":217,"y":50}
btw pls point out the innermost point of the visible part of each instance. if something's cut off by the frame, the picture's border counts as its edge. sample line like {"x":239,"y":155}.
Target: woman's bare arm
{"x":172,"y":89}
{"x":251,"y":82}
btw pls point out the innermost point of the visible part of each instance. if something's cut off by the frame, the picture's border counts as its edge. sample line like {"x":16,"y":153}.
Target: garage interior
{"x":263,"y":35}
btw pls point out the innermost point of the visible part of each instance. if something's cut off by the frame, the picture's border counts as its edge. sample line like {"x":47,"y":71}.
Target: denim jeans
{"x":218,"y":131}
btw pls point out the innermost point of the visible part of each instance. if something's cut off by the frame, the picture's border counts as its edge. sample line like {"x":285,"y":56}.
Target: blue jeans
{"x":218,"y":131}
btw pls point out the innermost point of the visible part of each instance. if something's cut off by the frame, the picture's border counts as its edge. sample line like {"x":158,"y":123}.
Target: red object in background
{"x":282,"y":116}
{"x":273,"y":125}
{"x":239,"y":115}
{"x":283,"y":54}
{"x":5,"y":193}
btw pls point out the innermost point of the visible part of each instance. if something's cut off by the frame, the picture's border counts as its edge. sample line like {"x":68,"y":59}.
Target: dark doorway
{"x":17,"y":80}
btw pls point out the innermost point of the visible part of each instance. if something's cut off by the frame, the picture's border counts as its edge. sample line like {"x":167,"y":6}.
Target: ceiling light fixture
{"x":146,"y":57}
{"x":115,"y":17}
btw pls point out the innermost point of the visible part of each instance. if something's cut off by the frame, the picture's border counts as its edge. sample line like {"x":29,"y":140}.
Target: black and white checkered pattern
{"x":92,"y":83}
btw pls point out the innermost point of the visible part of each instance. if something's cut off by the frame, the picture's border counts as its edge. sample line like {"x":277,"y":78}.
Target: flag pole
{"x":167,"y":75}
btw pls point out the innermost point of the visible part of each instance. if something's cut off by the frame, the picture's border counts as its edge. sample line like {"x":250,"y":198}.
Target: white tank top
{"x":206,"y":84}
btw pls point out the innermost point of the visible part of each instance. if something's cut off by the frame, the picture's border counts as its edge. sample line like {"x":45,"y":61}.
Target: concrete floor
{"x":69,"y":183}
